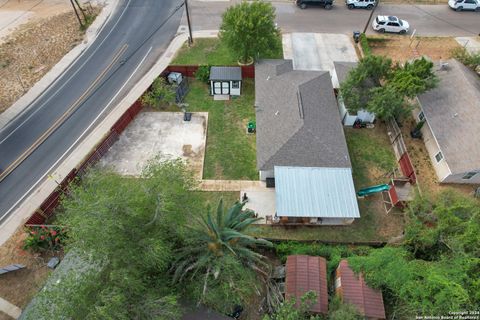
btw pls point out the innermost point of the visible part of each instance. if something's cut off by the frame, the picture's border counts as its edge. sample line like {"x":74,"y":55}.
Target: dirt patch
{"x":427,"y":178}
{"x":187,"y":150}
{"x":18,"y":287}
{"x":401,"y":49}
{"x":32,"y":50}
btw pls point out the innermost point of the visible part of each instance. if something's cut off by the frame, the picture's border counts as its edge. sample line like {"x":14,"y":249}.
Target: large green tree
{"x":130,"y":228}
{"x":249,"y":30}
{"x":379,"y":87}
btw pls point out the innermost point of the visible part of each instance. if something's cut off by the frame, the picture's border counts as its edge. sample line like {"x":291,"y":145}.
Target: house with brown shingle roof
{"x":307,"y":273}
{"x":352,"y":289}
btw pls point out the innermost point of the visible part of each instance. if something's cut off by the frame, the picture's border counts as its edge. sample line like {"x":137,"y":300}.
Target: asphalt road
{"x":132,"y":40}
{"x":428,"y":20}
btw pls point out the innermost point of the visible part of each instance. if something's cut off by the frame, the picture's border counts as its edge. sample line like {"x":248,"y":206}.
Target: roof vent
{"x":268,"y":78}
{"x":277,"y":113}
{"x":455,"y":115}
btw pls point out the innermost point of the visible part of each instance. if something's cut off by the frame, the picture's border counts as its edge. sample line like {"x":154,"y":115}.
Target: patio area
{"x":262,"y":201}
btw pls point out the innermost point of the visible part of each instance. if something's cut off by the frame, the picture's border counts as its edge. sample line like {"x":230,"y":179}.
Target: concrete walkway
{"x":10,"y":309}
{"x":231,"y":185}
{"x":45,"y":185}
{"x":472,"y":44}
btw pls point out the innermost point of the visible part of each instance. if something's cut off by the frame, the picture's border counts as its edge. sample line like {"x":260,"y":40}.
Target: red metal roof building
{"x":352,"y":289}
{"x":307,"y":273}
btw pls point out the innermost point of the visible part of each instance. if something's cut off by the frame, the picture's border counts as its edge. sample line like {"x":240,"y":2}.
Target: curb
{"x":44,"y":187}
{"x":53,"y":75}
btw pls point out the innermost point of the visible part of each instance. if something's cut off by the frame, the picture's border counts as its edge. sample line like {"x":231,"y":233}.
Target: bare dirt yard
{"x":18,"y":287}
{"x":401,"y":49}
{"x":35,"y":35}
{"x":427,"y":178}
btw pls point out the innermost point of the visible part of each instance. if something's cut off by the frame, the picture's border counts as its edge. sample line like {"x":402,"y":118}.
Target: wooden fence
{"x":400,"y":151}
{"x":189,"y":70}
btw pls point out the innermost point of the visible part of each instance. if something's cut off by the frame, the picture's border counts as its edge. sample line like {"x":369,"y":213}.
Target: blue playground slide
{"x":371,"y":190}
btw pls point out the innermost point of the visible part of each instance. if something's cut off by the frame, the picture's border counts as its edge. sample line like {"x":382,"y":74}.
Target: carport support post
{"x":370,"y":16}
{"x":190,"y":38}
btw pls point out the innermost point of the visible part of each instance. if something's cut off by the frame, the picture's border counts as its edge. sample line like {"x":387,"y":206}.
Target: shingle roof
{"x":342,"y":69}
{"x":298,"y":123}
{"x":315,"y":192}
{"x":452,"y":111}
{"x":369,"y":302}
{"x":307,"y":273}
{"x":225,"y":73}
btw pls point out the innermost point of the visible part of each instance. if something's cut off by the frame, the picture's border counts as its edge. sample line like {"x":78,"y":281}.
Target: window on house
{"x":235,"y":84}
{"x":439,"y":156}
{"x":469,"y":175}
{"x":421,"y":116}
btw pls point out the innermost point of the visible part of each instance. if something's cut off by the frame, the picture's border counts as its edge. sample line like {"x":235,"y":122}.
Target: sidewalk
{"x":231,"y":185}
{"x":472,"y":44}
{"x":52,"y":76}
{"x":10,"y":309}
{"x":44,"y":186}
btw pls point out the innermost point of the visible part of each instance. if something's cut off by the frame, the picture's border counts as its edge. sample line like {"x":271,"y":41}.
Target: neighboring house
{"x":348,"y":119}
{"x":304,"y":274}
{"x":352,"y":289}
{"x":301,"y":144}
{"x":451,"y":131}
{"x":225,"y":81}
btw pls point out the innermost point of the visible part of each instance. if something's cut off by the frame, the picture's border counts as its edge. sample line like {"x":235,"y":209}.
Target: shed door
{"x":225,"y":87}
{"x":221,"y":87}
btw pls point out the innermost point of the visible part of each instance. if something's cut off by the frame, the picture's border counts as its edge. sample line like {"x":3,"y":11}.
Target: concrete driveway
{"x":318,"y":51}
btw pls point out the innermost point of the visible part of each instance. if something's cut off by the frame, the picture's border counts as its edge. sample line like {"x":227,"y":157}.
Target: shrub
{"x":160,"y":93}
{"x":203,"y":73}
{"x":365,"y":46}
{"x":45,"y":238}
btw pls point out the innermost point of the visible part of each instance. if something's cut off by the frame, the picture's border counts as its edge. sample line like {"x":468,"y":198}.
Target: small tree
{"x":249,"y":30}
{"x":159,"y":92}
{"x":290,"y":310}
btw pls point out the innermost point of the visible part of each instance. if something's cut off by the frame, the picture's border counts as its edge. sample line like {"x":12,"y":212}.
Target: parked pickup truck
{"x":365,"y":4}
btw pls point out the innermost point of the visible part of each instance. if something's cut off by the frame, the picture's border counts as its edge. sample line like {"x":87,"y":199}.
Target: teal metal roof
{"x":315,"y":192}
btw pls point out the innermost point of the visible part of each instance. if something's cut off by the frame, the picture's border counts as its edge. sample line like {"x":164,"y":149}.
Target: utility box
{"x":175,"y":78}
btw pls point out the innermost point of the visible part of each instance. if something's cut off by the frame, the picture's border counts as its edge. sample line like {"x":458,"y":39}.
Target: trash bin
{"x":356,"y":36}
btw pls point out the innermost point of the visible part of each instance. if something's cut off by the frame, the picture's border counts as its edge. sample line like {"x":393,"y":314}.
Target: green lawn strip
{"x":230,"y":153}
{"x":204,"y":51}
{"x":371,"y":155}
{"x":210,"y":51}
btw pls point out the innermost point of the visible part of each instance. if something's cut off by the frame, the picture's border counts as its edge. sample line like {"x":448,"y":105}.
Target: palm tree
{"x":212,"y":239}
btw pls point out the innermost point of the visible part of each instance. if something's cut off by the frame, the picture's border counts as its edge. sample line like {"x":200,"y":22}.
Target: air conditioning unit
{"x":175,"y":77}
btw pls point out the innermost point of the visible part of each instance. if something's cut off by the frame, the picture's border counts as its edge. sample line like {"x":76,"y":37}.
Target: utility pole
{"x":190,"y":38}
{"x":370,"y":16}
{"x":76,"y":13}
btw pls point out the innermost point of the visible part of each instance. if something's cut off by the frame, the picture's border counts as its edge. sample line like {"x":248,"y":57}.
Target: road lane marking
{"x":76,"y":141}
{"x":65,"y":82}
{"x":62,"y":118}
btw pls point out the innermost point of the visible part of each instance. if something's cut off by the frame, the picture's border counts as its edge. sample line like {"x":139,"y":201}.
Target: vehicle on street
{"x":365,"y":4}
{"x":460,"y":5}
{"x":327,"y":4}
{"x":390,"y":24}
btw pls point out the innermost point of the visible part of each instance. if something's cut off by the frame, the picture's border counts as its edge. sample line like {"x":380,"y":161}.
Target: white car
{"x":460,"y":5}
{"x":366,"y":4}
{"x":390,"y":24}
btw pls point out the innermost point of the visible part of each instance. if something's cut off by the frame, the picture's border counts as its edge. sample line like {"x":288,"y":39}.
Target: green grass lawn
{"x":209,"y":51}
{"x":230,"y":153}
{"x":372,"y":157}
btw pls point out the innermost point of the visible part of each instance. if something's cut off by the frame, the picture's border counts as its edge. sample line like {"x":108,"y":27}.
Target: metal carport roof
{"x":315,"y":192}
